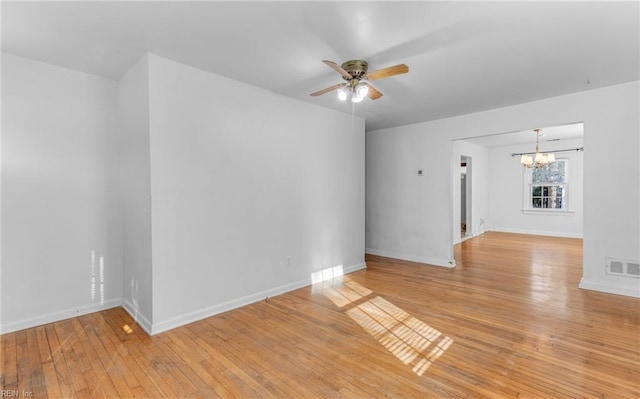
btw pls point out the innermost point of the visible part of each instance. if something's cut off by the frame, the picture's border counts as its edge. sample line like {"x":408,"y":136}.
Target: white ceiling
{"x":463,"y":56}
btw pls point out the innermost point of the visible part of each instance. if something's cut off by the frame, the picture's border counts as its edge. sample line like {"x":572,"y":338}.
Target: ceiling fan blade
{"x":328,"y":89}
{"x":388,"y":72}
{"x":373,"y":93}
{"x":338,"y":69}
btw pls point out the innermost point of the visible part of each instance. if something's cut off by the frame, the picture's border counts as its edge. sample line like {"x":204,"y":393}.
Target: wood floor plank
{"x":152,"y":366}
{"x":23,"y":363}
{"x":210,"y":382}
{"x":9,"y":362}
{"x":257,"y":365}
{"x":112,"y":356}
{"x":98,"y":374}
{"x":63,"y":374}
{"x":37,"y":384}
{"x":509,"y":321}
{"x":99,"y":328}
{"x":51,"y":379}
{"x":68,"y":348}
{"x":160,"y":360}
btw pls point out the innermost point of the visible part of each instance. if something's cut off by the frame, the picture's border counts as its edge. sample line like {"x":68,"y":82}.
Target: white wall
{"x":612,"y":225}
{"x":411,"y":217}
{"x":478,"y":173}
{"x":247,"y":193}
{"x":252,"y":192}
{"x":60,"y":211}
{"x":399,"y":213}
{"x":135,"y":175}
{"x":506,"y":193}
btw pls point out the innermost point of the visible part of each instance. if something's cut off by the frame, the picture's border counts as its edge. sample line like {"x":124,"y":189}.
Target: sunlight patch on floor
{"x":345,"y":292}
{"x":413,"y":342}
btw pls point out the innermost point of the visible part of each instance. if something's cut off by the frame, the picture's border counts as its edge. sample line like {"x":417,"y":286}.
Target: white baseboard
{"x":146,"y":324}
{"x":59,"y":315}
{"x":468,"y":237}
{"x":200,"y":314}
{"x":137,"y":316}
{"x":535,"y":232}
{"x":411,"y":258}
{"x":609,"y":289}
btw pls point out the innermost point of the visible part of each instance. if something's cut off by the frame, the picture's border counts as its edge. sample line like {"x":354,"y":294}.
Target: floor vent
{"x":619,"y":267}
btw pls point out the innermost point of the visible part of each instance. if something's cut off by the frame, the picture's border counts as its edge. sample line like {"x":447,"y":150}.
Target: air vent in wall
{"x":617,"y":267}
{"x":633,"y":269}
{"x":620,"y":267}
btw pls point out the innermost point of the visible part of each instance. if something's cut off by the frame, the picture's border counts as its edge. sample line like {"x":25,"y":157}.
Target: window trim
{"x":543,"y":211}
{"x":527,"y":188}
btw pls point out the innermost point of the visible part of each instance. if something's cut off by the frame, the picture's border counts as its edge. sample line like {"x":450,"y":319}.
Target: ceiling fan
{"x":357,"y":86}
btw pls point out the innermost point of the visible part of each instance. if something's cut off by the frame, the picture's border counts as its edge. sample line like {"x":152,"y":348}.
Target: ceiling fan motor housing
{"x":356,"y":68}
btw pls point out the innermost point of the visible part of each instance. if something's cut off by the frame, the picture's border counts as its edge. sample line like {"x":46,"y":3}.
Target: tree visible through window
{"x":549,"y":186}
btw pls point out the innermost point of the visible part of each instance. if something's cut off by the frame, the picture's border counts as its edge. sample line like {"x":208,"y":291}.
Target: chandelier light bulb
{"x":539,"y":157}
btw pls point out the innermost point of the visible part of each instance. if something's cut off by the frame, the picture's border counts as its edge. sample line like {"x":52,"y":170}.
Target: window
{"x":548,"y":187}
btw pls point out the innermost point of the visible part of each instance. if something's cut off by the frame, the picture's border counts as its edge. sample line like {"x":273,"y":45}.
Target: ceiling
{"x":463,"y":57}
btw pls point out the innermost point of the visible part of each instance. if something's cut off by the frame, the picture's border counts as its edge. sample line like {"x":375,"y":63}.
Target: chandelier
{"x":539,"y":159}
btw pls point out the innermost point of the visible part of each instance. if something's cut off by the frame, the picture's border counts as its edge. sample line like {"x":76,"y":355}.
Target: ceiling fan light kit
{"x":357,"y":92}
{"x":357,"y":86}
{"x":343,"y":93}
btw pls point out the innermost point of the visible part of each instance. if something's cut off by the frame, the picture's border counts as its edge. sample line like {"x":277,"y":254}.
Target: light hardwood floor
{"x":508,"y":321}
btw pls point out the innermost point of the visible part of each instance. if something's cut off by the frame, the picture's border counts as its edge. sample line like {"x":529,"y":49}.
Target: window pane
{"x":536,"y":191}
{"x":553,"y":173}
{"x":549,"y":186}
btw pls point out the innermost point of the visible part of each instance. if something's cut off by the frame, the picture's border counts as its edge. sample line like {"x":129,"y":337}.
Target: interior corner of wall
{"x":137,"y":316}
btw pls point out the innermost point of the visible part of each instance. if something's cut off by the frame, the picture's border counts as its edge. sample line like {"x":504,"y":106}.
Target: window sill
{"x":556,"y":212}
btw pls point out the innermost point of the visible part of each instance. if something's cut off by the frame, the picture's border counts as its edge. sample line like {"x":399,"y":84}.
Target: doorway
{"x":465,"y":196}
